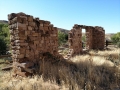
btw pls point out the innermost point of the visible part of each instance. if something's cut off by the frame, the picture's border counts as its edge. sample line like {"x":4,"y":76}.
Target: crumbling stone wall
{"x":95,"y":38}
{"x":30,"y":38}
{"x":89,"y":36}
{"x":98,"y":38}
{"x":75,"y":40}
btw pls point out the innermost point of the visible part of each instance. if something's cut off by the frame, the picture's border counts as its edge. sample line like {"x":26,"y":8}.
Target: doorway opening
{"x":83,"y":39}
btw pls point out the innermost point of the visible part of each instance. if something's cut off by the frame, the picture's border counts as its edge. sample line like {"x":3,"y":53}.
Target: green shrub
{"x":118,"y":44}
{"x":116,"y":38}
{"x":62,"y":38}
{"x":83,"y":38}
{"x":66,"y":37}
{"x":3,"y":46}
{"x":4,"y":38}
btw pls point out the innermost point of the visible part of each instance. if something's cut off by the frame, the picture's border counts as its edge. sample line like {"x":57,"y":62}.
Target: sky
{"x":65,"y":13}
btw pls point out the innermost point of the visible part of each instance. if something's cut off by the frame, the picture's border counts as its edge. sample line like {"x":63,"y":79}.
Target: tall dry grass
{"x":94,"y":71}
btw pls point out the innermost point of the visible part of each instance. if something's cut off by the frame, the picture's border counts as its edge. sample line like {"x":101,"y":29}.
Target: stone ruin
{"x":31,"y":38}
{"x":95,"y":38}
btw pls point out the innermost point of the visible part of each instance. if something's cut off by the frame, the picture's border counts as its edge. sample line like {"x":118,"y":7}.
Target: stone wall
{"x":30,"y":38}
{"x":98,"y":38}
{"x":95,"y":38}
{"x":89,"y":37}
{"x":75,"y":39}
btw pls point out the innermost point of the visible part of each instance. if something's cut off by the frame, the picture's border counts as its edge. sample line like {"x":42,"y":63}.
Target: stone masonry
{"x":30,"y":38}
{"x":95,"y":38}
{"x":75,"y":40}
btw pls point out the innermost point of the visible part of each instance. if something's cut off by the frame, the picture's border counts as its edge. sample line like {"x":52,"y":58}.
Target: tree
{"x":3,"y":47}
{"x":83,"y":38}
{"x":62,"y":38}
{"x":116,"y":39}
{"x":4,"y":38}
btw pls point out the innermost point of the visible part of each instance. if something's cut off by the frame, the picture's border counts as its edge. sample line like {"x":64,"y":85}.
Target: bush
{"x":66,"y":37}
{"x":83,"y":38}
{"x":116,"y":38}
{"x":118,"y":44}
{"x":4,"y":38}
{"x":3,"y":47}
{"x":62,"y":38}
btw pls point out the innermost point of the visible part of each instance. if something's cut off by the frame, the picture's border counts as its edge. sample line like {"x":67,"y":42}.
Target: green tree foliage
{"x":83,"y":38}
{"x":118,"y":44}
{"x":62,"y":38}
{"x":4,"y":37}
{"x":3,"y":46}
{"x":116,"y":39}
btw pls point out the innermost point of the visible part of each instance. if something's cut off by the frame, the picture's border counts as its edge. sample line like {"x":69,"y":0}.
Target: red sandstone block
{"x":21,"y":51}
{"x":21,"y":33}
{"x":42,"y":41}
{"x":20,"y":38}
{"x":53,"y":28}
{"x":33,"y":47}
{"x":27,"y":51}
{"x":19,"y":56}
{"x":16,"y":19}
{"x":30,"y":18}
{"x":36,"y":42}
{"x":53,"y":35}
{"x":36,"y":52}
{"x":31,"y":24}
{"x":29,"y":28}
{"x":32,"y":38}
{"x":41,"y":28}
{"x":23,"y":44}
{"x":36,"y":28}
{"x":45,"y":24}
{"x":24,"y":21}
{"x":41,"y":24}
{"x":27,"y":55}
{"x":49,"y":28}
{"x":27,"y":33}
{"x":21,"y":26}
{"x":34,"y":34}
{"x":46,"y":28}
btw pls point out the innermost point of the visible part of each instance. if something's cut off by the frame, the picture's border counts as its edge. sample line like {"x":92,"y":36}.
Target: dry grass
{"x":96,"y":71}
{"x":20,"y":83}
